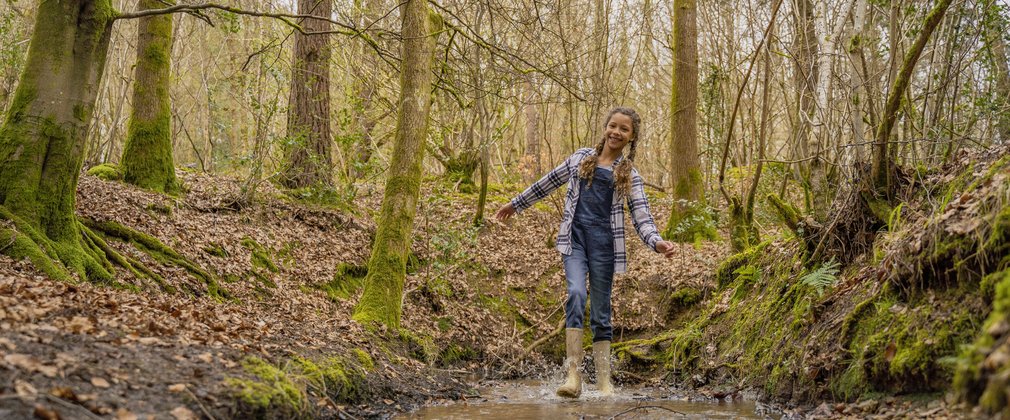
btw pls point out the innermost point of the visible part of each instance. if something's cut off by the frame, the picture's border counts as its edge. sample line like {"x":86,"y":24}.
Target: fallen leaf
{"x":124,"y":414}
{"x":22,"y":361}
{"x":80,"y":324}
{"x":25,"y":390}
{"x":64,"y":392}
{"x":206,"y":357}
{"x":183,"y":413}
{"x":100,"y":382}
{"x":45,"y":413}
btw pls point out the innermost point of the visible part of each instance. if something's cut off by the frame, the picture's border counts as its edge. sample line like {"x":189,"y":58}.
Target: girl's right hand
{"x":505,"y":212}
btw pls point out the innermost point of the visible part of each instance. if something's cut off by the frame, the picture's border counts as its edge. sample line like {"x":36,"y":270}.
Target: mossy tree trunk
{"x":882,"y":164}
{"x":307,"y":152}
{"x":43,"y":137}
{"x":805,"y":77}
{"x":687,"y":219}
{"x":147,"y":157}
{"x":387,"y":266}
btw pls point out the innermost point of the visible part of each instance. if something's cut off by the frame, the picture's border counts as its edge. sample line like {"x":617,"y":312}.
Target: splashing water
{"x":536,"y":399}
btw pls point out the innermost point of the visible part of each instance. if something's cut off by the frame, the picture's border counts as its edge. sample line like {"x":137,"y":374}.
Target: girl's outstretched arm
{"x":543,"y":187}
{"x":642,"y":217}
{"x":505,"y":212}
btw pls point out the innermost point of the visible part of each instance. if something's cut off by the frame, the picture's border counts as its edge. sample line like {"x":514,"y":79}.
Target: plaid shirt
{"x":569,"y":171}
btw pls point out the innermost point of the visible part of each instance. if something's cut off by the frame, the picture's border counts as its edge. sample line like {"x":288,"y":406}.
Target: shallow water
{"x":536,"y":400}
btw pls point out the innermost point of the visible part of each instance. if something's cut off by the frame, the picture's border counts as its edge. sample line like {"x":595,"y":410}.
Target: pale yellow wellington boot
{"x":572,"y":387}
{"x":601,"y":357}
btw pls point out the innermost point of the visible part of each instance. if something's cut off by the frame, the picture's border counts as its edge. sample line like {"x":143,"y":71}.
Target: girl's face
{"x":619,"y":132}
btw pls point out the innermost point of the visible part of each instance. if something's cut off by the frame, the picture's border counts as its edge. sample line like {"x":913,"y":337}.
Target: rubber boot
{"x":572,"y":387}
{"x":601,"y":357}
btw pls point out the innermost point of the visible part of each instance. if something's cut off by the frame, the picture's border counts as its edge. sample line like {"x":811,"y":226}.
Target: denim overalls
{"x":592,"y":254}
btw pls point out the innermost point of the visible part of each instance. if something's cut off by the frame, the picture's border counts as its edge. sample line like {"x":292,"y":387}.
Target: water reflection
{"x":536,"y":400}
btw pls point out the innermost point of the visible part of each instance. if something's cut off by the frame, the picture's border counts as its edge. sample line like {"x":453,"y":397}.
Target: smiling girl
{"x":591,"y":237}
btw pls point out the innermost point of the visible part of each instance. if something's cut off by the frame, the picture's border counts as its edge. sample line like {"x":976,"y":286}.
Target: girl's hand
{"x":666,"y":248}
{"x":505,"y":212}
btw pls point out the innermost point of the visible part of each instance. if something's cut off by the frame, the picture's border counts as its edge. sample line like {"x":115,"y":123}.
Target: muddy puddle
{"x":536,"y":400}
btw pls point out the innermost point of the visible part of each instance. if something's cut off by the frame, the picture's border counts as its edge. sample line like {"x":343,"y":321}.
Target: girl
{"x":591,"y":237}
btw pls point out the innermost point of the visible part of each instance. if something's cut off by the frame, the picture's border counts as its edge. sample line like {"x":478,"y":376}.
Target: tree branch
{"x":500,"y":52}
{"x":286,"y":18}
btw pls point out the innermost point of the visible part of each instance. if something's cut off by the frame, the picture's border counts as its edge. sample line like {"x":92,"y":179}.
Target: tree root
{"x":58,"y":260}
{"x":90,"y":257}
{"x":157,"y":250}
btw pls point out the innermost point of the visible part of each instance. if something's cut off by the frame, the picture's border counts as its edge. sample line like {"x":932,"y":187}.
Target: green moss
{"x":454,"y":353}
{"x":420,"y":347}
{"x":725,"y":273}
{"x":107,"y":172}
{"x":387,"y":266}
{"x":685,"y":297}
{"x":272,"y":392}
{"x":215,"y":249}
{"x":347,"y":280}
{"x":364,"y":359}
{"x":159,"y":251}
{"x":976,"y":381}
{"x":789,"y":214}
{"x":147,"y":155}
{"x":260,"y":257}
{"x":333,"y":377}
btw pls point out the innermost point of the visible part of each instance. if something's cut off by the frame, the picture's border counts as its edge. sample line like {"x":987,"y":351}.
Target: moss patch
{"x":347,"y":280}
{"x":107,"y":172}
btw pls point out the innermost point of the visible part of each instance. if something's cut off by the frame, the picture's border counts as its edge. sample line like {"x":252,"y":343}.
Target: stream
{"x":516,"y":400}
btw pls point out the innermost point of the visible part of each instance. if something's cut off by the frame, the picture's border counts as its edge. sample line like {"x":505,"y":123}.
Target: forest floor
{"x":280,"y":342}
{"x":479,"y":303}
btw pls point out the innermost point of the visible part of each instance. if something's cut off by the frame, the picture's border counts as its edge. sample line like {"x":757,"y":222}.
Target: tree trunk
{"x":687,"y":221}
{"x":147,"y":157}
{"x":308,"y":150}
{"x":995,"y":29}
{"x":387,"y":266}
{"x":43,"y":138}
{"x":882,"y":164}
{"x":529,"y":166}
{"x":363,"y":93}
{"x":805,"y":77}
{"x":600,"y":96}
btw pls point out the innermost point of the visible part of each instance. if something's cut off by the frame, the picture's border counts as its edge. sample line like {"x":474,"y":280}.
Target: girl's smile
{"x":619,"y":132}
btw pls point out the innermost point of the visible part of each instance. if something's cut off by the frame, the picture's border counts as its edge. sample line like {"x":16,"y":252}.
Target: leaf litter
{"x":488,"y":291}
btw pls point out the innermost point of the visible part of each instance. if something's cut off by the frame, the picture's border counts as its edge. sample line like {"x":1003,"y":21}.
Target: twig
{"x":202,"y":408}
{"x":644,"y":407}
{"x":65,"y":404}
{"x":541,"y":340}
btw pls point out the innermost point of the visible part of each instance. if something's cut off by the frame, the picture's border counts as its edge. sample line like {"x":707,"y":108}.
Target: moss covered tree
{"x":42,"y":143}
{"x":881,"y":182}
{"x":307,"y":152}
{"x":387,"y":266}
{"x":688,"y":220}
{"x":43,"y":136}
{"x":147,"y":157}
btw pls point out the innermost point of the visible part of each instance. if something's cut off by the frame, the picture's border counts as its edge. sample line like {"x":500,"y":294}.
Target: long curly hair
{"x":622,"y":173}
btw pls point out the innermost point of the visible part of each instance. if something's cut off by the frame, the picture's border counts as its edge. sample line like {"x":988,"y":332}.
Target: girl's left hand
{"x":666,"y":248}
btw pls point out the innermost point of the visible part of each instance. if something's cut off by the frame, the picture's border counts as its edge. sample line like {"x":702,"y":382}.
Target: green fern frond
{"x":823,"y":277}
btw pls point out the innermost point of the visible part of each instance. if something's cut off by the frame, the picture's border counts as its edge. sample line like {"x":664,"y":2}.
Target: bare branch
{"x":497,"y":51}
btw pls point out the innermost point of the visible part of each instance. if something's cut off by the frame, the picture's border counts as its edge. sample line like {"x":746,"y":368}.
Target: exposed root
{"x":157,"y":250}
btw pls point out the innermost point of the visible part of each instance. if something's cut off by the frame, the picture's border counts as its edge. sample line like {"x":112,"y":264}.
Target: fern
{"x":823,"y":277}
